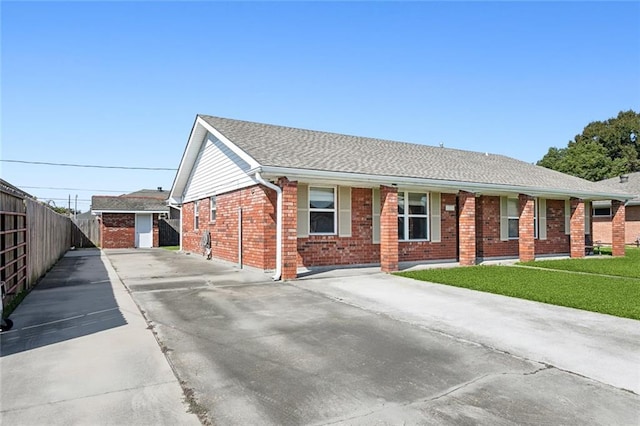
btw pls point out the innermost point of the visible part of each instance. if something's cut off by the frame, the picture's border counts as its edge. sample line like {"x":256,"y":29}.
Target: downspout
{"x":278,"y":190}
{"x":180,"y":209}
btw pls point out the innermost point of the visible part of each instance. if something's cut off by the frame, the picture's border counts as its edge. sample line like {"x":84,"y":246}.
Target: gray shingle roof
{"x":280,"y":146}
{"x":145,"y":200}
{"x":151,"y":193}
{"x":631,"y":186}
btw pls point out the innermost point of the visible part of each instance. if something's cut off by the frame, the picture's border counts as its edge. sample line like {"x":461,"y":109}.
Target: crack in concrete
{"x":27,"y":407}
{"x":444,"y":394}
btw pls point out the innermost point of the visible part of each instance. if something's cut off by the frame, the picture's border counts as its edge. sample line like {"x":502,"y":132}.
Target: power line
{"x":73,"y":189}
{"x":87,"y":165}
{"x":60,"y":199}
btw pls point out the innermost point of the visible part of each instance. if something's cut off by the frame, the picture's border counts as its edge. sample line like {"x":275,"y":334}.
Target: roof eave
{"x":100,"y":211}
{"x":373,"y":180}
{"x":190,"y":155}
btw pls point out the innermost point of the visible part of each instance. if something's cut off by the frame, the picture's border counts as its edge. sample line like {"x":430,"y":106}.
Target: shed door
{"x":144,"y":231}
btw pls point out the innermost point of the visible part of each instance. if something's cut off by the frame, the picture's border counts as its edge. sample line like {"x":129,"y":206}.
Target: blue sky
{"x":120,"y":83}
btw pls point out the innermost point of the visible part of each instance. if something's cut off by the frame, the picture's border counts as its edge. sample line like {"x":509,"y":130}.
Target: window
{"x":212,"y":202}
{"x":602,"y":211}
{"x":196,"y":215}
{"x":514,"y":218}
{"x":535,"y":218}
{"x":322,"y":210}
{"x":412,"y":216}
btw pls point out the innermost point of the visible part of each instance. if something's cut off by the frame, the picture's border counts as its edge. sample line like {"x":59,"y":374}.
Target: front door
{"x":144,"y":231}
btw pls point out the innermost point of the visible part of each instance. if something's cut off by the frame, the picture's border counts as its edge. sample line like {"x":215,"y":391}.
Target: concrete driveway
{"x":324,"y":350}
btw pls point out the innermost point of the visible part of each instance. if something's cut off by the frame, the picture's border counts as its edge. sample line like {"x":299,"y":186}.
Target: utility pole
{"x":69,"y":210}
{"x":75,"y":209}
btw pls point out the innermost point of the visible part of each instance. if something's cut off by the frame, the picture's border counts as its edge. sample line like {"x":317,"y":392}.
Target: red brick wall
{"x":258,"y":226}
{"x":118,"y":230}
{"x":617,"y":228}
{"x":577,"y":228}
{"x":467,"y":228}
{"x":289,"y":228}
{"x":526,"y":228}
{"x":488,"y":230}
{"x":389,"y":229}
{"x":632,"y":227}
{"x":557,"y":241}
{"x":327,"y":250}
{"x":602,"y":226}
{"x":156,"y":230}
{"x":446,"y":249}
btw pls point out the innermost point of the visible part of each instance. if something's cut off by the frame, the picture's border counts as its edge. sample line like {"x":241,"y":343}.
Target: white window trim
{"x":406,"y":216}
{"x":213,"y":206}
{"x":536,"y":220}
{"x":196,"y":214}
{"x":513,"y":217}
{"x":334,"y":210}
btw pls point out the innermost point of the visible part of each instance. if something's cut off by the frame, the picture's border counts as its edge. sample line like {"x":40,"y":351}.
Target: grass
{"x":613,"y":296}
{"x":171,"y":248}
{"x":627,"y":266}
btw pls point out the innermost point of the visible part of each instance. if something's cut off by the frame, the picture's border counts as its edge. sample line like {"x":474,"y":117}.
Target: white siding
{"x":217,"y":170}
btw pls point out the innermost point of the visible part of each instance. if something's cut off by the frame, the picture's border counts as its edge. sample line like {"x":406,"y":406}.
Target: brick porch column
{"x":289,"y":229}
{"x":388,"y":229}
{"x":618,"y":215}
{"x":526,"y":230}
{"x":467,"y":228}
{"x":577,"y":227}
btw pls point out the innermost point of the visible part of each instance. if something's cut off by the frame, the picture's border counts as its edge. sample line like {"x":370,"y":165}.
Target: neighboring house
{"x":602,"y":214}
{"x":280,"y":198}
{"x":130,"y":220}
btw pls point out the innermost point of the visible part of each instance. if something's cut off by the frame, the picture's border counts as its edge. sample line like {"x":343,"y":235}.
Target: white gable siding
{"x":217,"y":170}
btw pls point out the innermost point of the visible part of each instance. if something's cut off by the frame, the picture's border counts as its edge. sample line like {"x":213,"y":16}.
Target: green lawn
{"x":171,"y":248}
{"x":614,"y":296}
{"x":628,"y":266}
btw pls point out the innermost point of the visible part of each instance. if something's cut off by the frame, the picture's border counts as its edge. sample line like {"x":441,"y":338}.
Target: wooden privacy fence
{"x":86,"y":233}
{"x":32,"y":239}
{"x":49,"y":238}
{"x":169,"y":232}
{"x":13,"y":242}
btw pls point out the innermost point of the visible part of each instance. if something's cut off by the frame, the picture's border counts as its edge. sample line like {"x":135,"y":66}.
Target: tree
{"x":603,"y":150}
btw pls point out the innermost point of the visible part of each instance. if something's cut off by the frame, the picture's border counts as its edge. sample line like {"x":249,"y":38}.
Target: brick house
{"x":281,"y":198}
{"x":130,"y":220}
{"x":602,"y":213}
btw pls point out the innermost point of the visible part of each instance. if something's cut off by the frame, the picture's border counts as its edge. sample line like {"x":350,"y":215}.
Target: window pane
{"x":602,"y":211}
{"x":417,"y":203}
{"x":400,"y":202}
{"x":321,"y":222}
{"x":514,"y":232}
{"x":321,"y":198}
{"x":401,"y":228}
{"x":512,"y":207}
{"x":213,"y":202}
{"x":417,"y":228}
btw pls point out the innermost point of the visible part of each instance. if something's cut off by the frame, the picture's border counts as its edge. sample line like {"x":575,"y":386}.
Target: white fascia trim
{"x":294,"y":174}
{"x":190,"y":156}
{"x":233,"y":147}
{"x":179,"y":173}
{"x":129,"y":211}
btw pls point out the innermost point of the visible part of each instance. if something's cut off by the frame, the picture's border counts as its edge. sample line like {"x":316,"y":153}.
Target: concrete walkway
{"x":80,"y":352}
{"x":601,"y":347}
